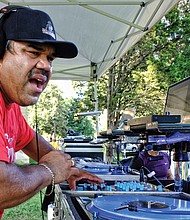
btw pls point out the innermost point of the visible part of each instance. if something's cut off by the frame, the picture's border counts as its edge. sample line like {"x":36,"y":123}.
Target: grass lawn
{"x":29,"y":210}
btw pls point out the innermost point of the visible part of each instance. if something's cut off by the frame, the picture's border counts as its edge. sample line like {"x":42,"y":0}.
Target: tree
{"x":82,"y":125}
{"x":171,"y":58}
{"x":54,"y":115}
{"x":163,"y":51}
{"x":158,"y":60}
{"x":49,"y":113}
{"x":150,"y":97}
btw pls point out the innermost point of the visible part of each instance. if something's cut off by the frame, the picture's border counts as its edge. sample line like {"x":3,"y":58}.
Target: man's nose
{"x":44,"y":64}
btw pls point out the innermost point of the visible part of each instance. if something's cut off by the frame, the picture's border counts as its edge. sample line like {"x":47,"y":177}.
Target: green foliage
{"x":31,"y":209}
{"x":85,"y":91}
{"x":172,"y":55}
{"x":141,"y":77}
{"x":150,"y":97}
{"x":56,"y":114}
{"x":50,"y":111}
{"x":81,"y":124}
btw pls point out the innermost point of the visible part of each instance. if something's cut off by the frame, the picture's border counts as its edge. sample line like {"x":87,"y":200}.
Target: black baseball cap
{"x":28,"y":25}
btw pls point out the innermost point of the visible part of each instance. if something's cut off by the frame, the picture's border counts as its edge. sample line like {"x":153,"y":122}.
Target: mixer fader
{"x":130,"y":186}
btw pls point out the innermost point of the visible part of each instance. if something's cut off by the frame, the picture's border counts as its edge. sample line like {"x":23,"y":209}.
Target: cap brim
{"x":63,"y":49}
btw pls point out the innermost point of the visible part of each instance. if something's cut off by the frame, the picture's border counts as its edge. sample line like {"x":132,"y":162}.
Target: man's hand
{"x":60,"y":163}
{"x":79,"y":174}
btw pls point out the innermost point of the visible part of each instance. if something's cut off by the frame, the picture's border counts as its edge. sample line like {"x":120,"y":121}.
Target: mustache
{"x":36,"y":72}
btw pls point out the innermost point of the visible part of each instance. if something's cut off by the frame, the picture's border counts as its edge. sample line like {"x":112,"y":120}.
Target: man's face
{"x":25,"y":71}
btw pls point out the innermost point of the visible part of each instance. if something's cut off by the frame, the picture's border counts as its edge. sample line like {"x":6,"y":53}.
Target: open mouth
{"x":38,"y":81}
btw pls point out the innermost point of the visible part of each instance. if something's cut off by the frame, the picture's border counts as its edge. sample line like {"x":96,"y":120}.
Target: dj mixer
{"x":119,"y":200}
{"x":112,"y":186}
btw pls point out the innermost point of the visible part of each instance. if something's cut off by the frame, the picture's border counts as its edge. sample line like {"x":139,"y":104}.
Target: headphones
{"x":4,"y":13}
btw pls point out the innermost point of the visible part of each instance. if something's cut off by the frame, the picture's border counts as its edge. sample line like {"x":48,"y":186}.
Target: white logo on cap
{"x":48,"y":29}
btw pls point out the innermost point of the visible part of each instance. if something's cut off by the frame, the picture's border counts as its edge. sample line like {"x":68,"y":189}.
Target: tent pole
{"x":96,"y":107}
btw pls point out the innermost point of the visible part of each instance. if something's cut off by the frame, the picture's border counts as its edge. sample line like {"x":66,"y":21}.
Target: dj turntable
{"x":135,"y":206}
{"x":120,"y":205}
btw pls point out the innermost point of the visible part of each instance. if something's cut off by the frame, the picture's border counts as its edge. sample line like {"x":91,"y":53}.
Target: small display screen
{"x":178,"y":100}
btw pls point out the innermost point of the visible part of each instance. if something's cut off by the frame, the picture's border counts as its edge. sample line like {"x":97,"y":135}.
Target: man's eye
{"x":35,"y":53}
{"x":50,"y":59}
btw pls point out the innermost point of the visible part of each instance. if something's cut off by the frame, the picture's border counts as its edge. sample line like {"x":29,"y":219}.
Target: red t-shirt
{"x":15,"y":133}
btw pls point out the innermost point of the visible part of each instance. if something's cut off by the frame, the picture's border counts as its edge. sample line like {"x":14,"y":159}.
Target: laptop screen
{"x":178,"y":100}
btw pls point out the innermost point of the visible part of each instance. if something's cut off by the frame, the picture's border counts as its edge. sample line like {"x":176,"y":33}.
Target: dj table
{"x":123,"y":196}
{"x":127,"y":196}
{"x":120,"y":202}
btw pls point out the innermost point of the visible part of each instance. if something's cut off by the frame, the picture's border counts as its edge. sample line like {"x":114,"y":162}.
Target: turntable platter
{"x":139,"y":206}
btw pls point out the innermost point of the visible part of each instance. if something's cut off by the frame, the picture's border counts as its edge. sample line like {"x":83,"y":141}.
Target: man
{"x":27,"y":48}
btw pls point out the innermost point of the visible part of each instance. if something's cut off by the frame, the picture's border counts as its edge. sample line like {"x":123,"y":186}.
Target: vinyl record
{"x":139,"y":206}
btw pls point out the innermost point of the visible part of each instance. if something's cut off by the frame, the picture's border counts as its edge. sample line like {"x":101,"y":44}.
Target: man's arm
{"x":21,"y":183}
{"x":38,"y":147}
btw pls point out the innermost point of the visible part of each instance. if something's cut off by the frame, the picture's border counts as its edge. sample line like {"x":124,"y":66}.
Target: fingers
{"x":73,"y":163}
{"x":72,"y":182}
{"x":79,"y":174}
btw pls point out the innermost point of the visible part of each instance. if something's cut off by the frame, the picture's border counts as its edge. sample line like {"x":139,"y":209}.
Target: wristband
{"x":53,"y":178}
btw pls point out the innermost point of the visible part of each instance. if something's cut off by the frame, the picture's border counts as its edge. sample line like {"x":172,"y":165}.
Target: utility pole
{"x":54,"y":122}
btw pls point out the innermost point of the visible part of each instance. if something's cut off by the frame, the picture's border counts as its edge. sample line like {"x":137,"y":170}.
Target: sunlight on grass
{"x":29,"y":210}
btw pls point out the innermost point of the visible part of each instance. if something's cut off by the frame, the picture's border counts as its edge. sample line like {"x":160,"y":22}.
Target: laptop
{"x":178,"y":100}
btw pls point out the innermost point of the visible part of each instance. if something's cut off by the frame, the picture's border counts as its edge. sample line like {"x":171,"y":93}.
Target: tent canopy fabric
{"x":103,"y":30}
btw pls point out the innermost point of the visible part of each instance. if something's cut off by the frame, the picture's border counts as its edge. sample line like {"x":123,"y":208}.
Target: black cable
{"x":142,"y":176}
{"x":36,"y":133}
{"x":38,"y":153}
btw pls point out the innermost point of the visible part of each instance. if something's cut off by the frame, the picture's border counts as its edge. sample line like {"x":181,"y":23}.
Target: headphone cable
{"x":38,"y":153}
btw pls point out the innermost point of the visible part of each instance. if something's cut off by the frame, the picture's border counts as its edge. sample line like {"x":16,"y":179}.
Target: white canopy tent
{"x":103,"y":30}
